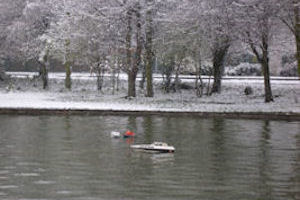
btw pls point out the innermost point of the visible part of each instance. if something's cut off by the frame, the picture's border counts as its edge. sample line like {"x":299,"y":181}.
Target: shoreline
{"x":24,"y":96}
{"x":287,"y":116}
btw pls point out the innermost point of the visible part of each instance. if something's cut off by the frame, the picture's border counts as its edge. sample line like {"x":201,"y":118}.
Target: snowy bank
{"x":27,"y":97}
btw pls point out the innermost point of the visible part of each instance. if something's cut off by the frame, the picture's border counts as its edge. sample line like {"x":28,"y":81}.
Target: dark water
{"x":74,"y":157}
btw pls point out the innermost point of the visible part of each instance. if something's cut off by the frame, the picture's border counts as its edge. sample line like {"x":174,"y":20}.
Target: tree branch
{"x":252,"y":46}
{"x":292,"y":29}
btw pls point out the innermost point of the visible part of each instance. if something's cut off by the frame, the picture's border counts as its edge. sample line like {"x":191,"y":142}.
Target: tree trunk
{"x":177,"y":72}
{"x":177,"y":79}
{"x":131,"y":84}
{"x":298,"y":53}
{"x":68,"y":82}
{"x":149,"y":51}
{"x":114,"y":70}
{"x":142,"y":81}
{"x":43,"y":69}
{"x":118,"y":80}
{"x":218,"y":65}
{"x":133,"y":63}
{"x":99,"y":77}
{"x":268,"y":91}
{"x":297,"y":33}
{"x":139,"y":46}
{"x":168,"y":82}
{"x":99,"y":82}
{"x":2,"y":74}
{"x":199,"y":81}
{"x":118,"y":74}
{"x":131,"y":79}
{"x":208,"y":85}
{"x":44,"y":75}
{"x":168,"y":68}
{"x":266,"y":70}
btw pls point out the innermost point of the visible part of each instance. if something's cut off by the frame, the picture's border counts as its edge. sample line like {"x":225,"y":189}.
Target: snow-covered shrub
{"x":288,"y":59}
{"x":289,"y":69}
{"x":248,"y":90}
{"x":207,"y":68}
{"x":234,"y":59}
{"x":188,"y":66}
{"x":2,"y":74}
{"x":244,"y":69}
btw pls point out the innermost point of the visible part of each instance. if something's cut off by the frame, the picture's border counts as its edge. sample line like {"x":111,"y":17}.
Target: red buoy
{"x":129,"y":134}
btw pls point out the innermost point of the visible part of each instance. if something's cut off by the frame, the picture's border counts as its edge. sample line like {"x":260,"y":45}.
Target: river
{"x":74,"y":157}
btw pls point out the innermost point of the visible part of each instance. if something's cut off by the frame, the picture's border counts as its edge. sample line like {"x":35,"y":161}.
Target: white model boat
{"x":156,"y":147}
{"x":115,"y":134}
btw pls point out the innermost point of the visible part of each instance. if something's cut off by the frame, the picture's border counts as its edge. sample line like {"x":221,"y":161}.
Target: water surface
{"x":49,"y":157}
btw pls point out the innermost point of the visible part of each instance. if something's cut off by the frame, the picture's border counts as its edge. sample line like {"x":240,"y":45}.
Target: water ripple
{"x":27,"y":174}
{"x":8,"y":186}
{"x":2,"y":194}
{"x":42,"y":182}
{"x":64,"y":192}
{"x":2,"y":172}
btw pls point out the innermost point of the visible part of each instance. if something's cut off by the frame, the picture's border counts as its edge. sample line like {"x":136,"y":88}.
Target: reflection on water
{"x":163,"y":158}
{"x":74,"y":157}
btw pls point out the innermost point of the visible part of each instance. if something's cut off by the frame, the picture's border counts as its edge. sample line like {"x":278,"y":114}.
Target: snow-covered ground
{"x":25,"y":92}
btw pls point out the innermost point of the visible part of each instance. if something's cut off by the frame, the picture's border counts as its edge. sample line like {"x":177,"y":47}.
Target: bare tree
{"x":221,"y":26}
{"x":133,"y":54}
{"x":257,"y":19}
{"x":219,"y":52}
{"x":149,"y":45}
{"x":10,"y":14}
{"x":290,"y":16}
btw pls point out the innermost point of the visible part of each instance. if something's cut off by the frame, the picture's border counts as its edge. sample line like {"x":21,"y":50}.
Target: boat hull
{"x":128,"y":136}
{"x":156,"y":150}
{"x":152,"y":149}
